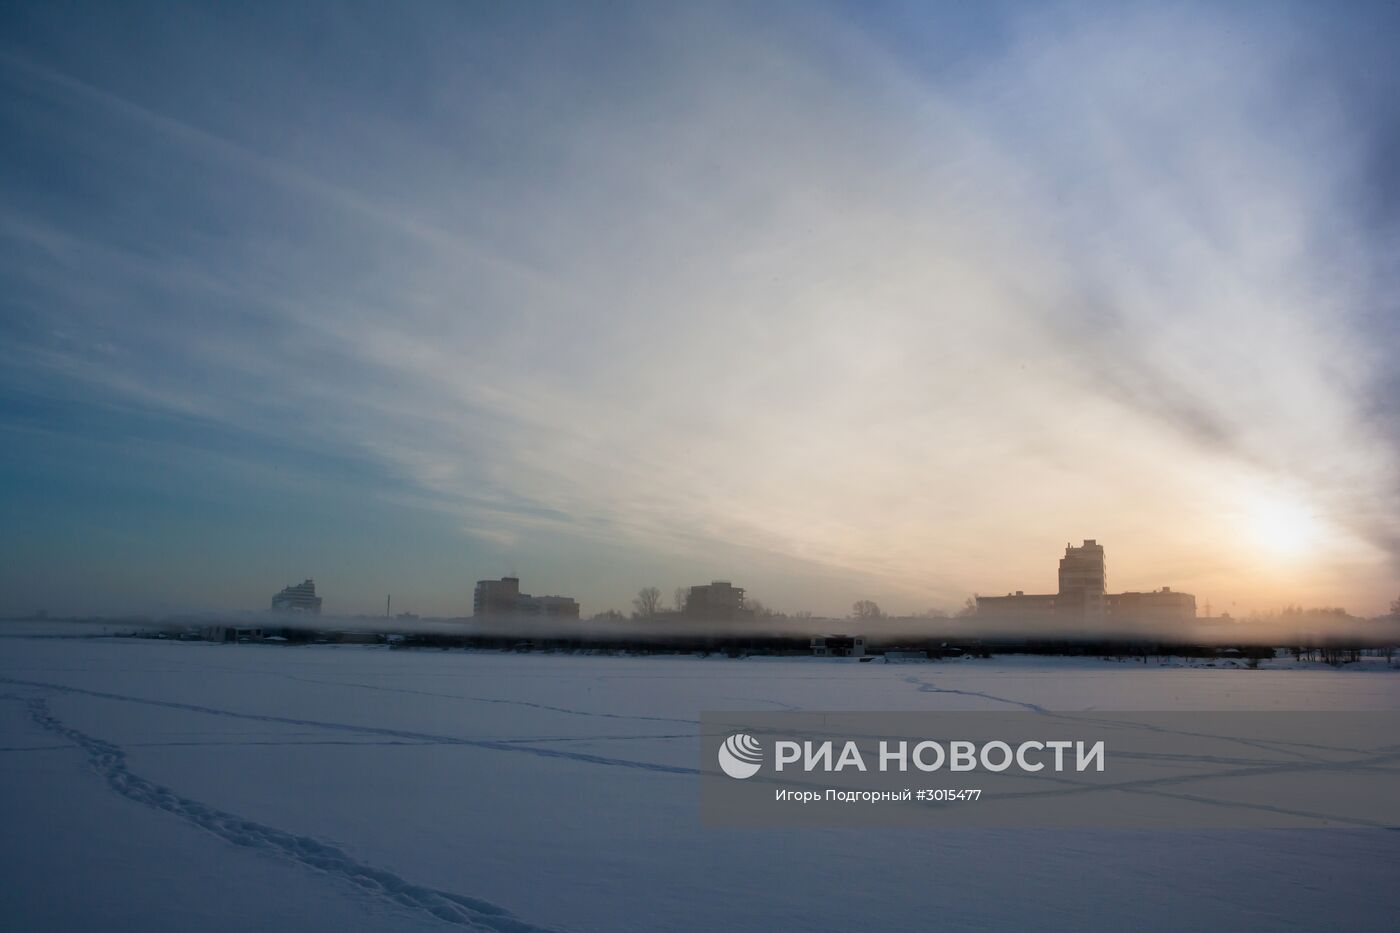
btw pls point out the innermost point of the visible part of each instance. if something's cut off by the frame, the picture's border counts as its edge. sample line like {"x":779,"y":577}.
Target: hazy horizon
{"x":835,"y":301}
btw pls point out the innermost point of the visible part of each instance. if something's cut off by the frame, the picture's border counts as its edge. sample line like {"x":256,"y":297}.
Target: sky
{"x":836,"y":301}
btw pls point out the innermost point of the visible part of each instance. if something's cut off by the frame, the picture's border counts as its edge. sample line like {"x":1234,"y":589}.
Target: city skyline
{"x":886,"y":305}
{"x":1082,"y":596}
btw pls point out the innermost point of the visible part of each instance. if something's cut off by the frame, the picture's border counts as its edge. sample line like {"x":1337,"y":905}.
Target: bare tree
{"x":1395,"y":606}
{"x":760,"y":611}
{"x":969,"y":608}
{"x":647,"y":602}
{"x":865,"y":610}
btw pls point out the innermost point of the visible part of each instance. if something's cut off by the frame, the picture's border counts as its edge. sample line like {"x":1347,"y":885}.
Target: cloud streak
{"x":707,"y":287}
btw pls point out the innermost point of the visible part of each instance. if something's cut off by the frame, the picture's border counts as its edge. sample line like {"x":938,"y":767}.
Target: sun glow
{"x":1284,"y":527}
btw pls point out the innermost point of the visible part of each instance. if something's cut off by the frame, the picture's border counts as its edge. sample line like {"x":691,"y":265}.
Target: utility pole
{"x":387,"y":599}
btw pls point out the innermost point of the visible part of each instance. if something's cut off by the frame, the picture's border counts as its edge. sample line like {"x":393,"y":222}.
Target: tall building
{"x":1083,"y":581}
{"x":496,"y":597}
{"x":1083,"y":597}
{"x":298,"y":598}
{"x":502,"y":599}
{"x":719,"y":601}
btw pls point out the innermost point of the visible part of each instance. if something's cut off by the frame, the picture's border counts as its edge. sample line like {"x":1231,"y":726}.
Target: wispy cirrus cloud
{"x":708,"y":287}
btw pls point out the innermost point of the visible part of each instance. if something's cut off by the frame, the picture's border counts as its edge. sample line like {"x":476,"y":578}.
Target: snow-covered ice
{"x":148,"y":785}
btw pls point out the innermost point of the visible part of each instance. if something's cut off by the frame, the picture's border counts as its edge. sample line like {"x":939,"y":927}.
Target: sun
{"x":1284,"y":527}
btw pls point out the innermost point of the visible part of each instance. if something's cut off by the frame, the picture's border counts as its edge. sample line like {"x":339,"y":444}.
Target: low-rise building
{"x":839,"y":646}
{"x":551,"y":607}
{"x":1158,"y":606}
{"x":227,"y":633}
{"x":1017,"y":607}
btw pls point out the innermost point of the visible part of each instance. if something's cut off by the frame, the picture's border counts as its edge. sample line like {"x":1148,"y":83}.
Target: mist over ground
{"x":1309,"y":629}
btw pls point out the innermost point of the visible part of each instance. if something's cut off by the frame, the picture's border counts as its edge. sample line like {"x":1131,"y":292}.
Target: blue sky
{"x":838,"y":301}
